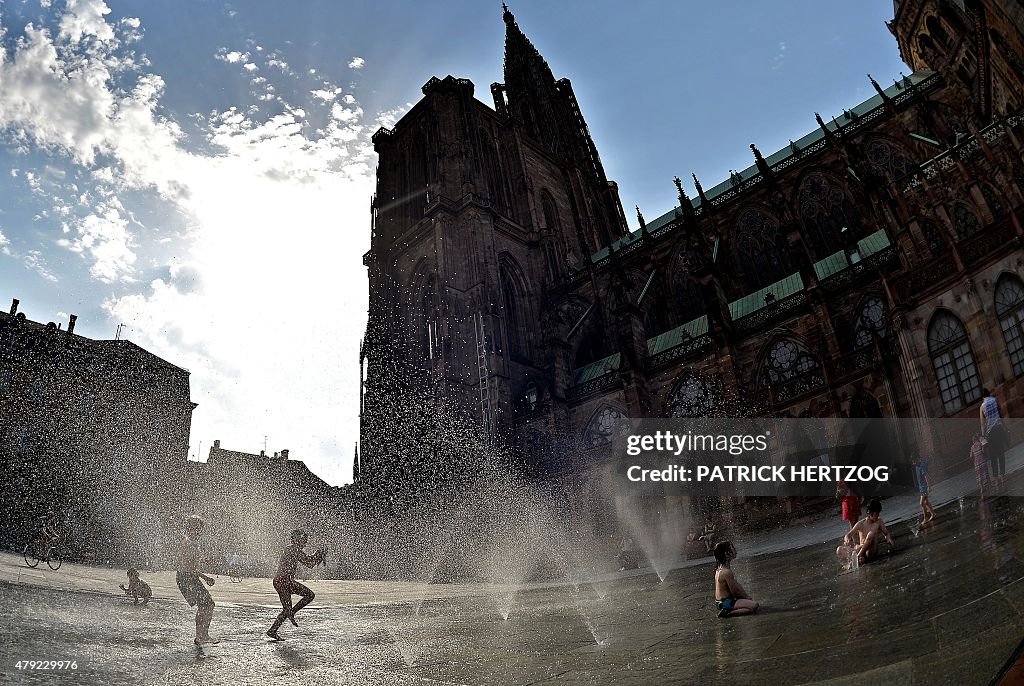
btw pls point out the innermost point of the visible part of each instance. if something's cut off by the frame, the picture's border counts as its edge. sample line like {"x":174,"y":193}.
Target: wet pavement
{"x":946,"y":607}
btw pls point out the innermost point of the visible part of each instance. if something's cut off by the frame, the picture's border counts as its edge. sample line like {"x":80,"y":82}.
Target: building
{"x":870,"y":268}
{"x":97,"y":430}
{"x":251,"y":503}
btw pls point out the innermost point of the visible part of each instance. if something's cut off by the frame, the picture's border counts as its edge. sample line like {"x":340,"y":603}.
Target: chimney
{"x":284,"y":453}
{"x":14,"y":306}
{"x":216,"y":444}
{"x":71,"y":323}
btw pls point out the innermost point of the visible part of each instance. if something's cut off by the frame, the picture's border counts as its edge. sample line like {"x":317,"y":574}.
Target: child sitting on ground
{"x":137,"y":588}
{"x":861,"y":542}
{"x":731,"y":599}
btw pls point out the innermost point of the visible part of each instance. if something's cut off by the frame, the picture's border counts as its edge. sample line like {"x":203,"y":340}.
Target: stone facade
{"x":870,"y":268}
{"x":98,"y":430}
{"x":251,"y":503}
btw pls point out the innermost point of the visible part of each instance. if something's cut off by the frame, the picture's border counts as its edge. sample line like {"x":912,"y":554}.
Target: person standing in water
{"x":286,"y":585}
{"x":731,"y":599}
{"x":190,"y":579}
{"x":996,"y":436}
{"x":923,"y":486}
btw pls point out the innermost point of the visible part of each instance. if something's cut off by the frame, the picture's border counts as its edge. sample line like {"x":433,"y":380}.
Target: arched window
{"x":825,"y":211}
{"x":786,"y":359}
{"x":694,"y":395}
{"x":551,"y":235}
{"x":950,"y":350}
{"x":938,"y":31}
{"x":606,"y":424}
{"x":689,"y":299}
{"x":964,"y":222}
{"x":871,"y":320}
{"x":513,"y":315}
{"x":1010,"y":310}
{"x":992,"y":200}
{"x":926,"y":47}
{"x":757,"y":249}
{"x":428,"y":338}
{"x":888,"y":160}
{"x":933,"y":238}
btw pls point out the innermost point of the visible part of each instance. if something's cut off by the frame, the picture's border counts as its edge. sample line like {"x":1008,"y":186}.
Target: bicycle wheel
{"x":54,"y":559}
{"x":31,"y":556}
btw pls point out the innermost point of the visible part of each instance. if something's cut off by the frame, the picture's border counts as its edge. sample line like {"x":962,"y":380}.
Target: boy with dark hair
{"x":731,"y":599}
{"x":190,"y":579}
{"x":861,"y":542}
{"x":137,"y":588}
{"x":285,"y":583}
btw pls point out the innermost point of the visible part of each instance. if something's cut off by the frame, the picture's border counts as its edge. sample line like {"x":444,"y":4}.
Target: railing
{"x":691,"y":346}
{"x":977,"y":248}
{"x":925,"y":277}
{"x":797,"y":386}
{"x":770,"y":312}
{"x":601,"y":383}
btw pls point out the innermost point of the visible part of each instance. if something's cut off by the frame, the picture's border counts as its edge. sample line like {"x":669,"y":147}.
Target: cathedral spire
{"x":547,"y":107}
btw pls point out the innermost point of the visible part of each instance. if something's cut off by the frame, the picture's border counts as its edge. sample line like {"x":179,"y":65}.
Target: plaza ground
{"x":946,"y":608}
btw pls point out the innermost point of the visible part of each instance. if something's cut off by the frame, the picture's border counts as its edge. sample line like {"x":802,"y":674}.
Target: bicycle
{"x":53,"y":557}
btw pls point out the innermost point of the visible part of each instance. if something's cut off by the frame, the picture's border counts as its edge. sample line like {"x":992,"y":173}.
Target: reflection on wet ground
{"x":946,"y":607}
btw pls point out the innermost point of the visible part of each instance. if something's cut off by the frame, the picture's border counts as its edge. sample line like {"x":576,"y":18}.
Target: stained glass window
{"x":933,"y":238}
{"x":757,"y":249}
{"x":825,"y":211}
{"x":606,"y":424}
{"x":964,"y":221}
{"x":888,"y":160}
{"x":953,"y":361}
{"x":785,"y":360}
{"x":992,"y":200}
{"x":871,"y":319}
{"x":694,"y":396}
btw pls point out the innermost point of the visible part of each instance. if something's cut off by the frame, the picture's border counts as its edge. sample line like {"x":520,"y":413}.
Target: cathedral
{"x":871,"y":268}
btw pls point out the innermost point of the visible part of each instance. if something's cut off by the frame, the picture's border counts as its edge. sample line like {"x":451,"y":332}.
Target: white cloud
{"x":84,"y":18}
{"x":357,"y":63}
{"x":258,"y":255}
{"x":326,"y":94}
{"x":232,"y":57}
{"x":104,"y":236}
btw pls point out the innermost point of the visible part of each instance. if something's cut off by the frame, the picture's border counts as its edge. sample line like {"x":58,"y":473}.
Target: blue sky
{"x":202,"y":172}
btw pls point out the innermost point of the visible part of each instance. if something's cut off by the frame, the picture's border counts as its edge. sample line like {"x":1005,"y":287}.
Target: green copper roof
{"x":837,"y":262}
{"x":786,"y":152}
{"x":677,"y":336}
{"x":781,"y":290}
{"x":869,"y":245}
{"x":597,"y":369}
{"x":833,"y":264}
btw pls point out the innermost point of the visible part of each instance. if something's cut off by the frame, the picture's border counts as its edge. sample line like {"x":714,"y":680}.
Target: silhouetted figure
{"x":285,"y":583}
{"x":137,"y":588}
{"x":190,"y":579}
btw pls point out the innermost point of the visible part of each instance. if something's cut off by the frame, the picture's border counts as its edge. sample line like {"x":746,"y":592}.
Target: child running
{"x":731,"y":599}
{"x":923,"y":486}
{"x":137,"y":588}
{"x":286,"y":585}
{"x":866,"y":534}
{"x":190,"y":579}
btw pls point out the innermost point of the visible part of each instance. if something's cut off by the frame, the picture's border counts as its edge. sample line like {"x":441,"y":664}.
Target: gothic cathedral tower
{"x":479,"y":214}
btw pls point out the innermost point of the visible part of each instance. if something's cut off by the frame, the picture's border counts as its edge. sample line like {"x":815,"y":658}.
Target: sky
{"x":201,"y":172}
